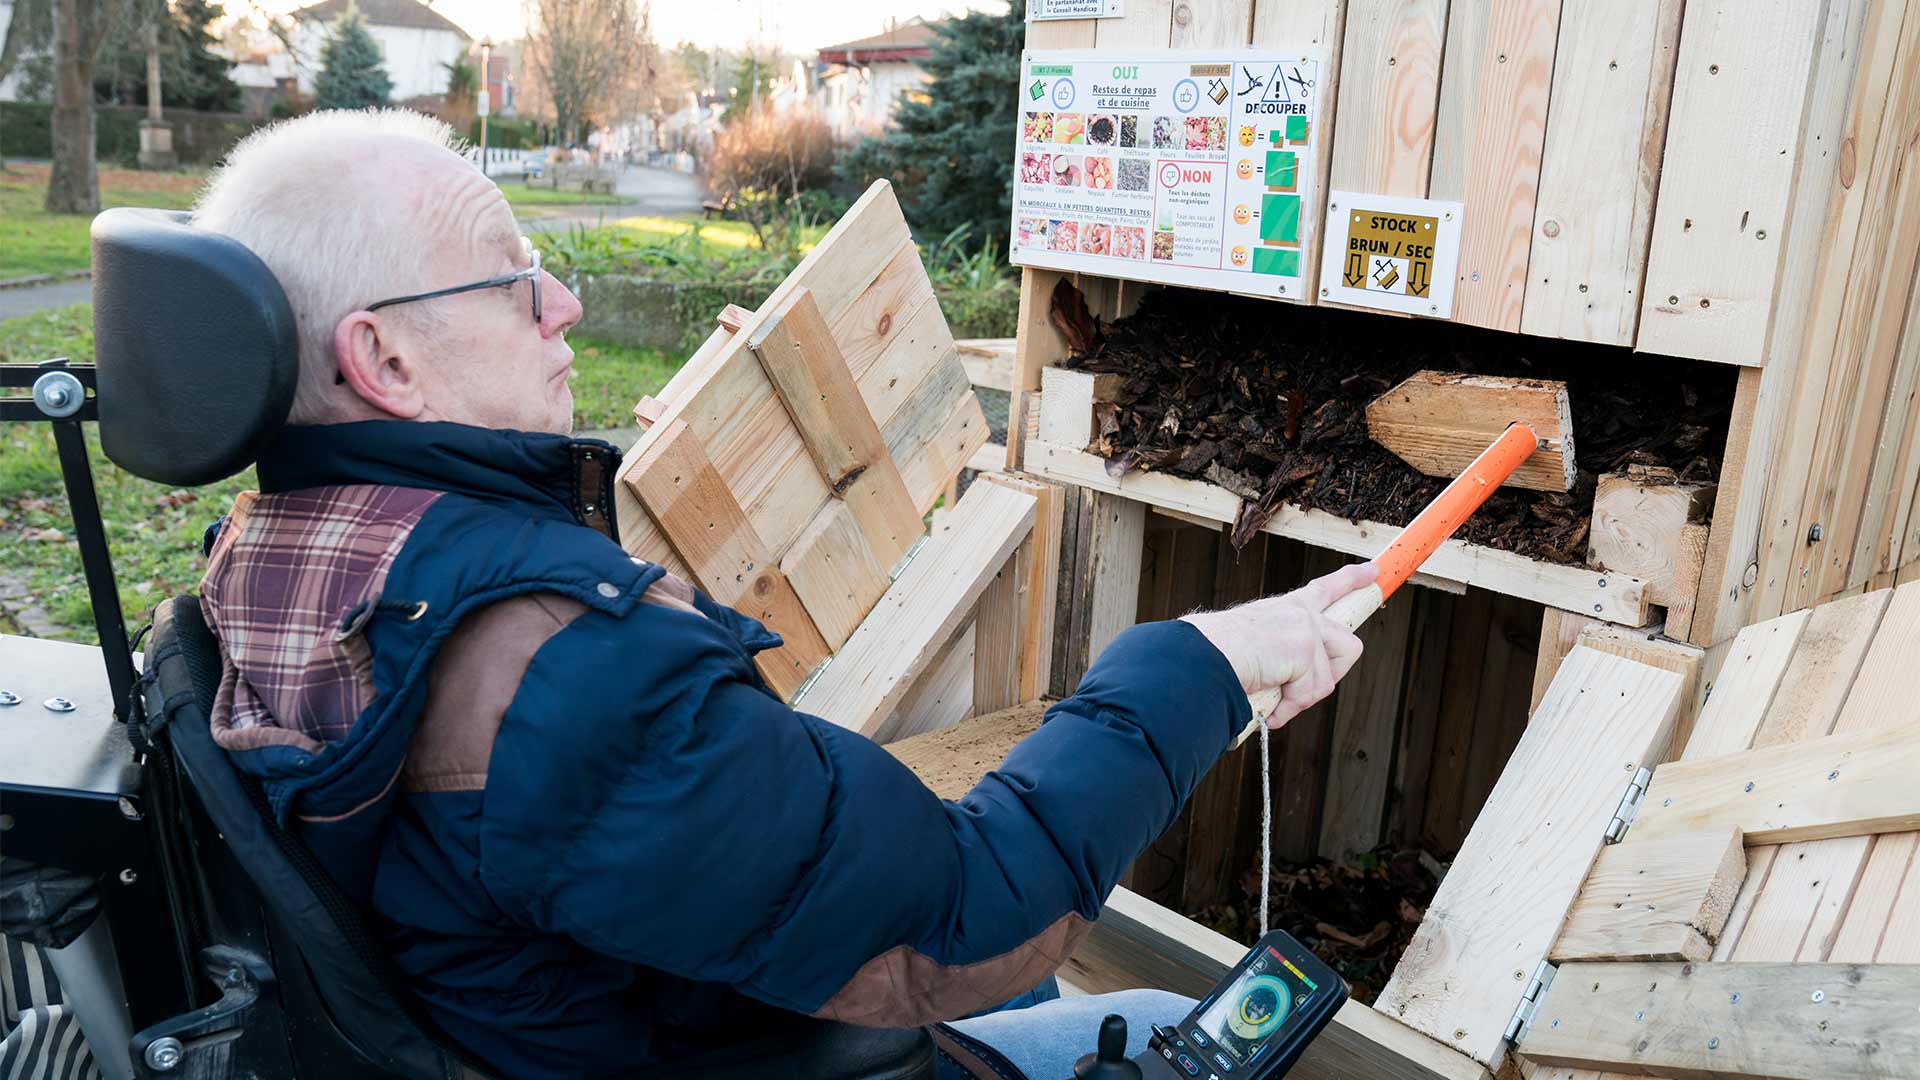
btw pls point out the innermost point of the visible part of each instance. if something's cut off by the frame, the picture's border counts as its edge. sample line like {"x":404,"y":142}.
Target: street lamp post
{"x":486,"y":94}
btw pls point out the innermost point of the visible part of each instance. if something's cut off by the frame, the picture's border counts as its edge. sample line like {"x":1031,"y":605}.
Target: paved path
{"x":647,"y":191}
{"x":39,"y":297}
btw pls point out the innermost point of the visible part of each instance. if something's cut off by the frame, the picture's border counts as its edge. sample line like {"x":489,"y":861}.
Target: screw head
{"x":1666,"y":802}
{"x":1713,"y":1044}
{"x":1735,"y":999}
{"x":58,"y":704}
{"x":1640,"y":1016}
{"x":1556,"y":1022}
{"x":163,"y":1055}
{"x":8,"y":697}
{"x":128,"y":877}
{"x":1459,"y":1033}
{"x":1834,"y":775}
{"x":1819,"y":996}
{"x":128,"y":810}
{"x":1749,"y":786}
{"x":1814,"y":533}
{"x":1324,"y":291}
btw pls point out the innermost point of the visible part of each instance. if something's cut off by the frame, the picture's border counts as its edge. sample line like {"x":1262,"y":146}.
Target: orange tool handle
{"x":1445,"y":514}
{"x":1420,"y":539}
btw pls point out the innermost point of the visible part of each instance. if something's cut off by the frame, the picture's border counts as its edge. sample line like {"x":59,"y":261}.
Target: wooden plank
{"x":1507,"y":893}
{"x":1487,"y":146}
{"x":1821,"y":673}
{"x":1302,"y":753}
{"x":989,"y":362}
{"x":1738,"y":699}
{"x":1739,"y":98}
{"x":1616,"y":598}
{"x":1878,"y":900}
{"x":1000,"y":622}
{"x":1902,"y":481}
{"x":836,"y":572}
{"x":1038,"y":590}
{"x":1365,"y":714}
{"x":1138,"y":943}
{"x":1851,"y":784}
{"x":1439,"y":422}
{"x":1039,"y":343}
{"x":1068,"y":398}
{"x":1499,"y":720}
{"x":1144,"y":25}
{"x":812,"y":379}
{"x":1223,"y":811}
{"x":732,"y":318}
{"x":1559,"y":633}
{"x":943,"y":695}
{"x":1389,"y":95}
{"x":1420,"y":714}
{"x":921,"y":611}
{"x":1680,"y":658}
{"x":1663,"y":899}
{"x":1111,"y":583}
{"x":1606,"y":129}
{"x":1444,"y":827}
{"x":1812,"y":1021}
{"x":1211,"y":24}
{"x":683,"y":493}
{"x":1641,"y":522}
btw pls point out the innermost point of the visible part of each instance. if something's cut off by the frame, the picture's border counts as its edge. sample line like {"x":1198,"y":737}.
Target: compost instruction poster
{"x":1191,"y":168}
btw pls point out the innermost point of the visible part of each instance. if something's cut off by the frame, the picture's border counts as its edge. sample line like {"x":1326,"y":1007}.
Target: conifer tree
{"x":351,"y":73}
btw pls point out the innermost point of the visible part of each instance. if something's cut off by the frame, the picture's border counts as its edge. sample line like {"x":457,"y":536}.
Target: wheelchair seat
{"x":196,"y":357}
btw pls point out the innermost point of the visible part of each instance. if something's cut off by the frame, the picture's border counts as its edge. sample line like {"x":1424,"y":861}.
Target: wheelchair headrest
{"x":195,"y":350}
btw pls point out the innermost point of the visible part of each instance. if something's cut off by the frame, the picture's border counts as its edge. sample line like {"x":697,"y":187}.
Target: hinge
{"x":901,"y":566}
{"x":1529,"y":1003}
{"x":807,"y":683}
{"x":1629,"y":805}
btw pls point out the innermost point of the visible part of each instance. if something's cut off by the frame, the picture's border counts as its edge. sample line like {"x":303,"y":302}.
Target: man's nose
{"x":559,"y":308}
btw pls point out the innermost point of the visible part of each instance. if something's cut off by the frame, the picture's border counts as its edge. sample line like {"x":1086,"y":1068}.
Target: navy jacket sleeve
{"x":701,"y":827}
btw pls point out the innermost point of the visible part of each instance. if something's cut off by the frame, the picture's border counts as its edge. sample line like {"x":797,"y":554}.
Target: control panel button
{"x":1220,"y":1059}
{"x":1199,"y":1037}
{"x":1191,"y":1066}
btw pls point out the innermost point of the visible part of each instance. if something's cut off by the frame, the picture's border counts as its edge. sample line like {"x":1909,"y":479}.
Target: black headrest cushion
{"x":195,"y":347}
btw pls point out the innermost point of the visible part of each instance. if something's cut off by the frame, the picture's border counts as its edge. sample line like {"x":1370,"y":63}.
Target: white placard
{"x":1391,"y":253}
{"x":1042,"y":10}
{"x":1186,"y":167}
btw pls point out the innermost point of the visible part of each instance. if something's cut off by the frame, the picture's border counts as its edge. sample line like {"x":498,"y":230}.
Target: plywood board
{"x":1507,"y":893}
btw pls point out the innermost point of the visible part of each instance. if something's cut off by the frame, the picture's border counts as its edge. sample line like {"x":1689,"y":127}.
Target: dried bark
{"x":1269,"y":401}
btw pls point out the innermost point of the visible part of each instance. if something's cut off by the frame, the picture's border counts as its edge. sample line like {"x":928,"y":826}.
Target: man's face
{"x":480,"y":357}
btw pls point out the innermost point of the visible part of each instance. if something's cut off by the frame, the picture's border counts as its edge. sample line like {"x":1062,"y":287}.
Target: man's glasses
{"x":531,"y":275}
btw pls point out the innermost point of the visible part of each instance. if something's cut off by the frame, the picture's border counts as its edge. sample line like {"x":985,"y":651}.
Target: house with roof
{"x":416,"y":42}
{"x":860,"y":82}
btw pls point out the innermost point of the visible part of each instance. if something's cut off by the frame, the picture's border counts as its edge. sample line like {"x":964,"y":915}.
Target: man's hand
{"x":1286,"y":641}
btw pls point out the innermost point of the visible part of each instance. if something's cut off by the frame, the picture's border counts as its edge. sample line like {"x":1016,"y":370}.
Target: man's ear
{"x":367,"y":350}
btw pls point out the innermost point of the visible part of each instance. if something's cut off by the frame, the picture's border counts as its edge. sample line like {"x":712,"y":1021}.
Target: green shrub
{"x":199,"y":138}
{"x":507,"y":133}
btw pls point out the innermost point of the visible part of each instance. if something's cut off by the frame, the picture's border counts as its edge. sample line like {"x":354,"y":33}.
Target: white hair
{"x":307,"y":197}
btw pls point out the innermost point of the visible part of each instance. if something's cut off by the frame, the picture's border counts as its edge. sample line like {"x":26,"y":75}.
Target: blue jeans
{"x":1045,"y":1039}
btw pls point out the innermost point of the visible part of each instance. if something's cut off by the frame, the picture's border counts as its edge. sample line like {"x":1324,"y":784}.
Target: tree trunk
{"x":74,"y":185}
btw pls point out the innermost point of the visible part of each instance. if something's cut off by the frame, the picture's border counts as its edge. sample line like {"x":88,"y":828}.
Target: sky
{"x":798,"y":26}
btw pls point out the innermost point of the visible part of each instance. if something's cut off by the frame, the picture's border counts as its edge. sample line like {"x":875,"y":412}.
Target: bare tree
{"x":585,"y":53}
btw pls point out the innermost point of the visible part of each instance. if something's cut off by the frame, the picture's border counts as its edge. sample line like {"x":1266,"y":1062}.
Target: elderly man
{"x":588,"y":833}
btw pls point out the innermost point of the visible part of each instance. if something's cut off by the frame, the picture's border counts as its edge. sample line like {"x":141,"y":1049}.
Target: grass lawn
{"x":519,"y":194}
{"x":728,"y":234}
{"x":154,"y":531}
{"x":33,"y":241}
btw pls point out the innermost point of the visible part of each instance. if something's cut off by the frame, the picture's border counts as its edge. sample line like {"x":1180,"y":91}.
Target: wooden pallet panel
{"x":1488,"y":141}
{"x":943,"y":695}
{"x":1810,"y":1021}
{"x":1606,"y":128}
{"x":685,"y":496}
{"x":1389,"y":96}
{"x":921,"y":612}
{"x":1727,"y":179}
{"x":855,"y":275}
{"x":1506,"y":894}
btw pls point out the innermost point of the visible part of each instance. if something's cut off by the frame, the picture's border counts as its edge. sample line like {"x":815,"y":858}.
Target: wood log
{"x":1439,"y":422}
{"x":1648,"y":524}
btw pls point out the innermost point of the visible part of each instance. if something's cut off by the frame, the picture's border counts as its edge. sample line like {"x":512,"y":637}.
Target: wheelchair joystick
{"x":1109,"y":1062}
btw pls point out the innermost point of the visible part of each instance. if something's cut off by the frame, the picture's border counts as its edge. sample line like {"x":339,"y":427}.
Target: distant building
{"x":416,"y":42}
{"x":861,"y":81}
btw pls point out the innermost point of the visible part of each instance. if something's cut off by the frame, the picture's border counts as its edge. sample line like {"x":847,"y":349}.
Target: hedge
{"x":199,"y":138}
